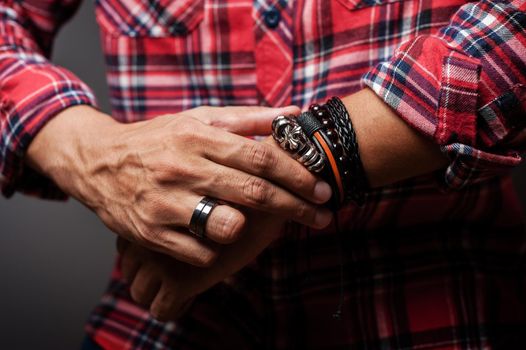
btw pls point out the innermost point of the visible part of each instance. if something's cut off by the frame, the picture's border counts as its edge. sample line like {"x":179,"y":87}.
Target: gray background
{"x":55,"y":258}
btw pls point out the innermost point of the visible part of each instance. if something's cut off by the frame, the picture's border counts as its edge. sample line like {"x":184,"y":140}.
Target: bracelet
{"x":328,"y":144}
{"x":324,"y":141}
{"x":358,"y":181}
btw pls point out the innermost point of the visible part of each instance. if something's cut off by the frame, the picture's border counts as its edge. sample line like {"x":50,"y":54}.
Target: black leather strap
{"x":309,"y":123}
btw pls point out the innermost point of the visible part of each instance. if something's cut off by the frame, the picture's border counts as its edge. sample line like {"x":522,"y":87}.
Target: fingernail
{"x":323,"y":218}
{"x":322,"y":192}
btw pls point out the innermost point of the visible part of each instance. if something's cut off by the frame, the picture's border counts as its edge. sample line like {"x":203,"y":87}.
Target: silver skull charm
{"x":290,"y":136}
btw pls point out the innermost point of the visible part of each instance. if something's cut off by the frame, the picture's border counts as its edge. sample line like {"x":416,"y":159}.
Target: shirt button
{"x":272,"y":17}
{"x":178,"y":28}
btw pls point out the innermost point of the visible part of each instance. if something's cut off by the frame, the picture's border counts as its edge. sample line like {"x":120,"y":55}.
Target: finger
{"x":130,"y":263}
{"x":168,"y":303}
{"x":247,"y":121}
{"x":234,"y":186}
{"x":264,"y":160}
{"x":184,"y":247}
{"x":145,"y":285}
{"x":225,"y":224}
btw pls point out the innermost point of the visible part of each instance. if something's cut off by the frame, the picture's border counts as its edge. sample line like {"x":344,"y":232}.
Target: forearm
{"x":390,"y":149}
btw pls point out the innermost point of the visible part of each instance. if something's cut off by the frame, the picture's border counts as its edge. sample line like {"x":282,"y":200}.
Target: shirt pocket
{"x":359,"y":4}
{"x":149,"y":18}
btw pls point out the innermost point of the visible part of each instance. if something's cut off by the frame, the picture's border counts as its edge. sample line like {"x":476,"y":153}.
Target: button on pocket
{"x":272,"y":18}
{"x":149,"y":18}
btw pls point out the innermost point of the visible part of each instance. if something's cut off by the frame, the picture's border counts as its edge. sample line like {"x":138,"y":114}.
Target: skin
{"x":144,"y":179}
{"x":389,"y":148}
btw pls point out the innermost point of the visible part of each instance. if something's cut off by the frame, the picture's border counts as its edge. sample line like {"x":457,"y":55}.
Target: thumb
{"x":248,"y":121}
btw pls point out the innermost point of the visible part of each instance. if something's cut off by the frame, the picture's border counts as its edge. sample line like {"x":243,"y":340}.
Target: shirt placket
{"x":273,"y":51}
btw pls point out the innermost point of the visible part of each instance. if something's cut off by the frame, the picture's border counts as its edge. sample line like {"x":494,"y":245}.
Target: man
{"x":433,"y":259}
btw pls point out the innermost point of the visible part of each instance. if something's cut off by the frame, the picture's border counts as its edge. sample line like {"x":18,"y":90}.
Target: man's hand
{"x":165,"y":285}
{"x":145,"y":179}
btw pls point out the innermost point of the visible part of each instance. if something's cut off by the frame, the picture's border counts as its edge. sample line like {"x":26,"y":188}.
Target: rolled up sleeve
{"x":32,"y":89}
{"x":464,"y":88}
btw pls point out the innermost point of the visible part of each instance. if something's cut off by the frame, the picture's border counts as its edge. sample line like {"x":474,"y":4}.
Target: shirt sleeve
{"x":32,"y":90}
{"x":464,"y":87}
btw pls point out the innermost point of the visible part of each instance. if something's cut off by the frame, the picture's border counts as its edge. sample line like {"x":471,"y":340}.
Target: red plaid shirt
{"x":422,"y":267}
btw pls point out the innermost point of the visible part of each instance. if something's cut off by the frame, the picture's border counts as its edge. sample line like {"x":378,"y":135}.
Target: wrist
{"x":68,"y":143}
{"x":390,"y":149}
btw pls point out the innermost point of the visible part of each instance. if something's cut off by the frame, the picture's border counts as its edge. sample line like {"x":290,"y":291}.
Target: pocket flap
{"x":152,"y":18}
{"x":358,"y":4}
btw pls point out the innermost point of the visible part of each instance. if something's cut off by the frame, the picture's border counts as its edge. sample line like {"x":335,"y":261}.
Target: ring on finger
{"x":200,"y":216}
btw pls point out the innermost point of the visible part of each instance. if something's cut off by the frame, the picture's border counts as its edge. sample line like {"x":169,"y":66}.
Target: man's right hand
{"x":144,"y":179}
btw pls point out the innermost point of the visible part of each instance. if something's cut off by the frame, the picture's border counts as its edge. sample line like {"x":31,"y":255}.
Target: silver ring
{"x":200,"y":216}
{"x":291,"y":137}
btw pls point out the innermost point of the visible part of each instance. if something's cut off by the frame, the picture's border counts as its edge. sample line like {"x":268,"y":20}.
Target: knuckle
{"x":206,"y":258}
{"x":169,"y":296}
{"x":138,"y":293}
{"x":142,"y":237}
{"x":147,"y":237}
{"x":231,"y":226}
{"x":186,"y":130}
{"x":220,"y":121}
{"x":261,"y":157}
{"x":163,"y":171}
{"x":303,"y":210}
{"x":149,"y":214}
{"x":176,"y":172}
{"x":180,"y":126}
{"x":160,"y":310}
{"x":257,"y":191}
{"x":302,"y":179}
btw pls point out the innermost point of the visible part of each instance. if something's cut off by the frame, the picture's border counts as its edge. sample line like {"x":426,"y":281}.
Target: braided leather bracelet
{"x":358,"y":181}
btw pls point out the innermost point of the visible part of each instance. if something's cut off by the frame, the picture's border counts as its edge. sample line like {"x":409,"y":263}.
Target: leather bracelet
{"x":357,"y":180}
{"x":327,"y":142}
{"x":327,"y":120}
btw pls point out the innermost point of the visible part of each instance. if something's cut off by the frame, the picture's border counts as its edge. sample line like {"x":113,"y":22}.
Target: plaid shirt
{"x":422,"y":266}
